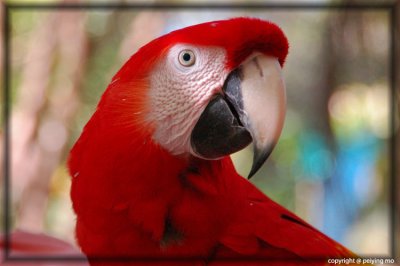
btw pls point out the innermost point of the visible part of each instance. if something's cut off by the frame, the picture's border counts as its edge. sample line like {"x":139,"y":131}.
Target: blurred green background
{"x":331,"y":165}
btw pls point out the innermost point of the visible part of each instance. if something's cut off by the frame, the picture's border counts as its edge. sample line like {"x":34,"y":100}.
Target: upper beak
{"x":252,"y":107}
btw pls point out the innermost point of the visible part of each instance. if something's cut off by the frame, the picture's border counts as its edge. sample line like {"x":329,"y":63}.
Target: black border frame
{"x":388,"y":6}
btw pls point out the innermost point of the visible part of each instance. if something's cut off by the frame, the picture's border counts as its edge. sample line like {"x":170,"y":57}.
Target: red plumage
{"x":133,"y":199}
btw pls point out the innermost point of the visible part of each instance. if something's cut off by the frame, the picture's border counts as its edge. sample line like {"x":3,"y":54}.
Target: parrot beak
{"x":251,"y":108}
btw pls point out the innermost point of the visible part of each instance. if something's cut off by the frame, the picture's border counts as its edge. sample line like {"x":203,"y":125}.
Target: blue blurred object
{"x":346,"y":192}
{"x":316,"y":158}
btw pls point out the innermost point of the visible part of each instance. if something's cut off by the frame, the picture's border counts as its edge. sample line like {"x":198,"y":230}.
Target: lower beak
{"x":252,"y":107}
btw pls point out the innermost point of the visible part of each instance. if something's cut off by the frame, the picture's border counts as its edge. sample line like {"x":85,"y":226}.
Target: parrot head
{"x":206,"y":91}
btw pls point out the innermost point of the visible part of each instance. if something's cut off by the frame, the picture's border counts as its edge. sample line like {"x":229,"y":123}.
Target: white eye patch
{"x":181,"y":85}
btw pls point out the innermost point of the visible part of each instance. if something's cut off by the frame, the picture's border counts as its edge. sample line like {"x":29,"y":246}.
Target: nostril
{"x":259,"y":68}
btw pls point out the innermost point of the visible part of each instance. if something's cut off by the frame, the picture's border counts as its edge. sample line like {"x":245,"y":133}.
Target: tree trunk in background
{"x":44,"y":112}
{"x":25,"y":153}
{"x":320,"y":123}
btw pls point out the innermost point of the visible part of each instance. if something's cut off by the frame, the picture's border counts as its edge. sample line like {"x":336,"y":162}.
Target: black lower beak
{"x":232,"y":120}
{"x":219,"y":131}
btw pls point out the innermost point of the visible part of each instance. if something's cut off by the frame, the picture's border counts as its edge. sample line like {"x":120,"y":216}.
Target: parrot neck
{"x":119,"y":168}
{"x":120,"y":175}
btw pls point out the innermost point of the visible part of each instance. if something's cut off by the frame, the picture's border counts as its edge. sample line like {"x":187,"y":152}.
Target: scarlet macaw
{"x":151,"y":172}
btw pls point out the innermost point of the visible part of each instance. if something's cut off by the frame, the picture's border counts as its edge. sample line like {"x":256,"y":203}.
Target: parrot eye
{"x":186,"y":58}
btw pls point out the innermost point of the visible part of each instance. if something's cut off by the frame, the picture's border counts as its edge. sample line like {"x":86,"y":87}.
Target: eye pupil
{"x":186,"y":57}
